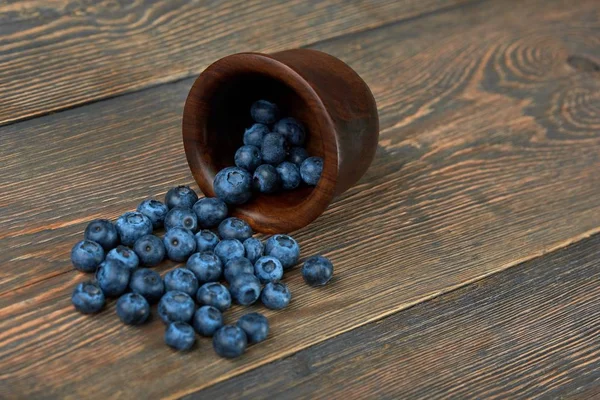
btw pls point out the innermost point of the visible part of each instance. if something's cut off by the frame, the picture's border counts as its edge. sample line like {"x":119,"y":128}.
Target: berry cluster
{"x":272,"y":158}
{"x":223,"y":264}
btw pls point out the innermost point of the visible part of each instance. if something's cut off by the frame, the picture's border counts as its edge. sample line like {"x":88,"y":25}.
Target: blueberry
{"x":248,"y":157}
{"x":155,"y":211}
{"x":233,"y":185}
{"x":179,"y":244}
{"x":206,"y":240}
{"x":87,"y":298}
{"x":180,"y":336}
{"x":179,"y":217}
{"x":87,"y":255}
{"x":113,"y":278}
{"x":236,"y":266}
{"x":228,"y":249}
{"x":245,"y":289}
{"x":268,"y":269}
{"x":275,"y":295}
{"x":148,"y":283}
{"x":266,"y":179}
{"x":125,"y":255}
{"x":274,"y":149}
{"x":133,"y":309}
{"x":206,"y":266}
{"x":230,"y":341}
{"x":292,"y":130}
{"x":297,"y":155}
{"x":317,"y":270}
{"x":264,"y":112}
{"x":235,"y":228}
{"x":254,"y":249}
{"x":284,"y":248}
{"x":255,"y":326}
{"x":176,"y":306}
{"x":289,"y":175}
{"x":311,"y":169}
{"x":150,"y":250}
{"x":103,"y":232}
{"x":181,"y":196}
{"x":214,"y":294}
{"x":210,"y":211}
{"x":254,"y":135}
{"x":131,"y":226}
{"x":207,"y":320}
{"x":182,"y":280}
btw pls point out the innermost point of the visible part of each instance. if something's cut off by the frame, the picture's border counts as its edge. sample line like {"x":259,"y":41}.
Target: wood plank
{"x":481,"y":118}
{"x":529,"y":332}
{"x":63,"y":53}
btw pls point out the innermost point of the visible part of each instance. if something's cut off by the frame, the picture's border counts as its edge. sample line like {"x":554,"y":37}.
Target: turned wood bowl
{"x":326,"y":95}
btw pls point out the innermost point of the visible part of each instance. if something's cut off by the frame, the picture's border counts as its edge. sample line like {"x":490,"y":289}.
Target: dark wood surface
{"x":488,"y":157}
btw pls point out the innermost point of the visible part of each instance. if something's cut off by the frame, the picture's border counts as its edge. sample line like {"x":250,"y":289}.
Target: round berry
{"x":210,"y":211}
{"x":103,"y":232}
{"x":150,"y":250}
{"x":297,"y":155}
{"x":255,"y":326}
{"x":155,"y":211}
{"x":274,"y":149}
{"x":317,"y":270}
{"x":180,"y":336}
{"x":183,"y":280}
{"x":233,"y":185}
{"x":86,"y":255}
{"x":214,"y":294}
{"x":148,"y":283}
{"x":235,"y":228}
{"x":266,"y":179}
{"x":87,"y":298}
{"x":254,"y":249}
{"x":311,"y":170}
{"x":264,"y":112}
{"x":228,"y":249}
{"x":230,"y":341}
{"x":131,"y":226}
{"x":206,"y":241}
{"x":289,"y":175}
{"x":179,"y":244}
{"x":236,"y":266}
{"x":207,"y":320}
{"x":248,"y":157}
{"x":276,"y":295}
{"x":133,"y":309}
{"x":206,"y":266}
{"x":179,"y":217}
{"x":113,"y":278}
{"x":268,"y":269}
{"x":176,"y":306}
{"x":254,"y":135}
{"x":124,"y":255}
{"x":181,"y":196}
{"x":284,"y":248}
{"x":245,"y":289}
{"x":292,"y":130}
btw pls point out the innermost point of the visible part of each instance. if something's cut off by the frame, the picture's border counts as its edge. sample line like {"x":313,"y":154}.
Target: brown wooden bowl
{"x":322,"y":92}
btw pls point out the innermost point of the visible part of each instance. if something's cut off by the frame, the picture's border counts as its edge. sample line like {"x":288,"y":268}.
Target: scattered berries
{"x":133,"y":309}
{"x":124,"y":255}
{"x":255,"y":326}
{"x":150,"y":250}
{"x":183,"y":280}
{"x":276,"y":295}
{"x":86,"y":255}
{"x":180,"y":336}
{"x":179,"y":244}
{"x":155,"y":211}
{"x":176,"y":306}
{"x":230,"y":341}
{"x":87,"y":298}
{"x":181,"y":196}
{"x":207,"y":320}
{"x":132,"y":226}
{"x":148,"y":283}
{"x":317,"y":270}
{"x":103,"y":232}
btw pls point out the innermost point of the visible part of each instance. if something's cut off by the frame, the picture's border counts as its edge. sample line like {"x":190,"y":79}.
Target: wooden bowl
{"x":332,"y":101}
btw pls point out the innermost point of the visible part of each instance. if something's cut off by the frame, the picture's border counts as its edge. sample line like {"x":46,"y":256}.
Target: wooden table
{"x":467,"y":261}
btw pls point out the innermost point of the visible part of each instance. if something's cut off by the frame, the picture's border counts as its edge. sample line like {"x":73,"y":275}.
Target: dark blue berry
{"x":292,"y":130}
{"x":266,"y":179}
{"x":124,"y":255}
{"x":248,"y":157}
{"x":254,"y":135}
{"x":268,"y":269}
{"x":297,"y":155}
{"x":214,"y":294}
{"x":176,"y":306}
{"x":207,"y":320}
{"x":179,"y":217}
{"x":113,"y":278}
{"x":150,"y":250}
{"x":245,"y":289}
{"x":264,"y":112}
{"x":230,"y":341}
{"x":182,"y":280}
{"x":275,"y":295}
{"x":87,"y":298}
{"x":317,"y":270}
{"x":180,"y":336}
{"x":179,"y":244}
{"x":254,"y":249}
{"x":284,"y":248}
{"x":235,"y":228}
{"x":148,"y":283}
{"x":289,"y":175}
{"x":181,"y":196}
{"x":155,"y":211}
{"x":86,"y":255}
{"x":228,"y":249}
{"x":274,"y":149}
{"x":103,"y":232}
{"x":311,"y":169}
{"x":133,"y":309}
{"x":206,"y":240}
{"x":233,"y":185}
{"x":206,"y":266}
{"x":210,"y":211}
{"x":131,"y":226}
{"x":236,"y":266}
{"x":255,"y":326}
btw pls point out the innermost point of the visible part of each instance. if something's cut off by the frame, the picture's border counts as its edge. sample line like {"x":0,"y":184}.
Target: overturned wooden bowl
{"x":322,"y":92}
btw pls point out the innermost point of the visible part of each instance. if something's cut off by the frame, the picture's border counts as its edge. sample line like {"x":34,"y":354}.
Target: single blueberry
{"x":206,"y":240}
{"x":182,"y":280}
{"x":245,"y":289}
{"x":275,"y":295}
{"x":87,"y":298}
{"x":180,"y":336}
{"x":150,"y":250}
{"x":133,"y":225}
{"x":176,"y":306}
{"x":248,"y":157}
{"x":284,"y":248}
{"x":155,"y":211}
{"x":254,"y":135}
{"x":206,"y":266}
{"x":179,"y":217}
{"x":292,"y":130}
{"x":179,"y":244}
{"x":289,"y":175}
{"x":214,"y":294}
{"x":235,"y":228}
{"x":125,"y":255}
{"x":311,"y":170}
{"x":148,"y":283}
{"x":230,"y":341}
{"x":233,"y":185}
{"x":133,"y":309}
{"x":254,"y":249}
{"x":228,"y":249}
{"x":266,"y":179}
{"x":274,"y":149}
{"x":268,"y":269}
{"x":236,"y":266}
{"x":210,"y":211}
{"x":317,"y":270}
{"x":207,"y":320}
{"x":86,"y":255}
{"x":113,"y":278}
{"x":103,"y":232}
{"x":297,"y":155}
{"x":255,"y":326}
{"x":181,"y":196}
{"x":264,"y":112}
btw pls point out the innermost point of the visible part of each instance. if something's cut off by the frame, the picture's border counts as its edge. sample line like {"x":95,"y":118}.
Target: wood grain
{"x":488,"y":156}
{"x":60,"y":54}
